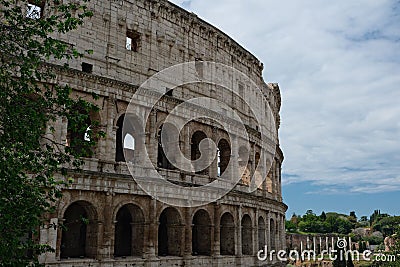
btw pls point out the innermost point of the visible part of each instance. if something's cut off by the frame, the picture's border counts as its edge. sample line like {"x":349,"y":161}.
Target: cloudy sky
{"x":338,"y":66}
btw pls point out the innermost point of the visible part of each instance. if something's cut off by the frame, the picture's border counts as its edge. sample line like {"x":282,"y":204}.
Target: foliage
{"x":325,"y":223}
{"x":290,"y":226}
{"x":30,"y":102}
{"x":387,"y":225}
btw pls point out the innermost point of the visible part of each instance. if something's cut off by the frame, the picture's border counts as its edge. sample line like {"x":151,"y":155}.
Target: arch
{"x":272,"y":233}
{"x":195,"y":153}
{"x":79,"y":232}
{"x":244,"y":165}
{"x":80,"y":131}
{"x":261,"y":233}
{"x":201,"y":233}
{"x":224,"y":155}
{"x":256,"y":159}
{"x":247,"y":235}
{"x":129,"y":231}
{"x":170,"y":233}
{"x":127,"y":138}
{"x":162,"y":160}
{"x":227,"y":234}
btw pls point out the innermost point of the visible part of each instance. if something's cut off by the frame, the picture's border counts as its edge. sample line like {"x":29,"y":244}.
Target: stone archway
{"x":201,"y":233}
{"x":227,"y":234}
{"x":129,"y":231}
{"x":170,"y":233}
{"x":79,"y":231}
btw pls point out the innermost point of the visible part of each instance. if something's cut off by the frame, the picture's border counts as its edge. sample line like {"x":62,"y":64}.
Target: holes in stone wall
{"x":197,"y":137}
{"x":224,"y":154}
{"x":79,"y":235}
{"x":201,"y":234}
{"x":247,"y":235}
{"x":86,"y":67}
{"x":35,"y":9}
{"x":227,"y":235}
{"x":132,"y":40}
{"x":129,"y":232}
{"x":170,"y":233}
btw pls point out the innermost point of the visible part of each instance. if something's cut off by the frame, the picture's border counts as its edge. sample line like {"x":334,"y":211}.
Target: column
{"x":234,"y":171}
{"x":188,"y":233}
{"x":255,"y":233}
{"x":107,"y":144}
{"x":216,"y":241}
{"x":283,"y":232}
{"x":273,"y":178}
{"x":268,"y":231}
{"x":239,"y":232}
{"x":109,"y":227}
{"x":153,"y":137}
{"x":152,"y":236}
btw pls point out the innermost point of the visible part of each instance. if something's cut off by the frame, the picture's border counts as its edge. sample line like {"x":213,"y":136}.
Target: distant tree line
{"x":332,"y":222}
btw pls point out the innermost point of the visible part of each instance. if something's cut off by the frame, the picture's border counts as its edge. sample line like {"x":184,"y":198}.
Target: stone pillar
{"x":279,"y":178}
{"x":48,"y":236}
{"x":188,"y":233}
{"x":153,"y":138}
{"x":109,"y":143}
{"x":278,"y":232}
{"x":213,"y":168}
{"x":234,"y":172}
{"x":152,"y":236}
{"x":216,"y":241}
{"x":239,"y":232}
{"x":59,"y":238}
{"x":273,"y":178}
{"x":108,"y":229}
{"x":100,"y":239}
{"x":255,"y":233}
{"x":268,"y":231}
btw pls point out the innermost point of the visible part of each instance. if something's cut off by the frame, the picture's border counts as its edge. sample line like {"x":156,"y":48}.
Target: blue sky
{"x":338,"y":66}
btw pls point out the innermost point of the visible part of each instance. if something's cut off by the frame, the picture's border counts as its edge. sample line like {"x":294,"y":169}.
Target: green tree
{"x":387,"y":225}
{"x":30,"y":102}
{"x":290,"y":226}
{"x":323,"y":216}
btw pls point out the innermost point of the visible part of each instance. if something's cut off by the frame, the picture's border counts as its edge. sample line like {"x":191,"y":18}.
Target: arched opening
{"x":244,"y":163}
{"x":258,"y":172}
{"x":79,"y":232}
{"x":162,"y":160}
{"x":224,"y":155}
{"x":201,"y":233}
{"x":169,"y":233}
{"x":125,"y":142}
{"x":129,"y":231}
{"x":80,"y":133}
{"x":261,"y":233}
{"x":227,"y":234}
{"x":272,"y":233}
{"x":247,"y":235}
{"x":197,"y":137}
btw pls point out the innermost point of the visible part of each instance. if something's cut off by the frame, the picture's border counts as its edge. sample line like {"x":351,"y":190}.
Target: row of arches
{"x":129,"y":142}
{"x":79,"y":232}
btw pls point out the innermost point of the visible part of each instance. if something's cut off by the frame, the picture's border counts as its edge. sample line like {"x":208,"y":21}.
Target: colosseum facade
{"x":125,"y":226}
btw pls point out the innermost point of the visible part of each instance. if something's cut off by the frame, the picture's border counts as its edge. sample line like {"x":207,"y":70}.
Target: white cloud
{"x":338,"y":65}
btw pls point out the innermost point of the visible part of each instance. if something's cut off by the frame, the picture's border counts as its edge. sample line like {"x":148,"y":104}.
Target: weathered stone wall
{"x":125,"y":226}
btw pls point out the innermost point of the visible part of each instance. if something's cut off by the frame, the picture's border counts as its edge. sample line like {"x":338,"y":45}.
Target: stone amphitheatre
{"x":128,"y":226}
